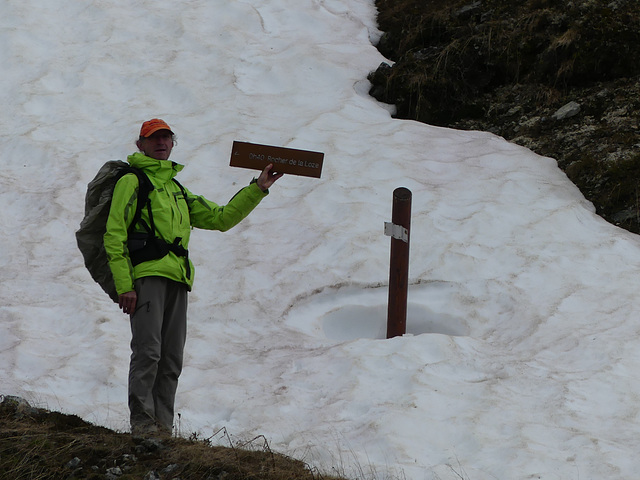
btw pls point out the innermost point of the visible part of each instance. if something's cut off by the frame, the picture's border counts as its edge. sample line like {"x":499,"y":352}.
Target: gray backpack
{"x":96,"y":211}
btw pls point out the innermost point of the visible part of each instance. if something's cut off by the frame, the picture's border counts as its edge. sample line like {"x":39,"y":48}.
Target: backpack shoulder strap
{"x":144,"y":189}
{"x":182,"y":189}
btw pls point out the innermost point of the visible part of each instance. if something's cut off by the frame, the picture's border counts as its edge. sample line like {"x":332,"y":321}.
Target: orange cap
{"x":151,"y":126}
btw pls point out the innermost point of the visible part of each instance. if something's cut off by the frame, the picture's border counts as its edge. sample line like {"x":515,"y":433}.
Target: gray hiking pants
{"x":159,"y":330}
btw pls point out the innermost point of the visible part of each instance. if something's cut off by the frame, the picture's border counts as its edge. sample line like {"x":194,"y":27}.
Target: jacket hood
{"x":162,"y":170}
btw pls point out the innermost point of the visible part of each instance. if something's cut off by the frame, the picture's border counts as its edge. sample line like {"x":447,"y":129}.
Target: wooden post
{"x":399,"y":269}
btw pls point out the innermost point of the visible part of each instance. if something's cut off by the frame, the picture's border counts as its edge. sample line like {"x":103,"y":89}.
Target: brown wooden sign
{"x":284,"y":160}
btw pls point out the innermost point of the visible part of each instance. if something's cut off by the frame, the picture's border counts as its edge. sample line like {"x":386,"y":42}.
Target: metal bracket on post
{"x":396,"y":231}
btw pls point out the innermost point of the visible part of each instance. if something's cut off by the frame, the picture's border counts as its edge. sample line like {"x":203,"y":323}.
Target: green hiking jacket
{"x":172,"y":216}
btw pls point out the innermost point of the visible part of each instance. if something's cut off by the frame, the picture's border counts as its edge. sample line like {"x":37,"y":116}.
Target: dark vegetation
{"x":37,"y":444}
{"x":508,"y":66}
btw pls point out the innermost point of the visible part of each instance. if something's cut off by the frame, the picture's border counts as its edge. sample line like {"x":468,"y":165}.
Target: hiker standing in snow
{"x":152,"y":271}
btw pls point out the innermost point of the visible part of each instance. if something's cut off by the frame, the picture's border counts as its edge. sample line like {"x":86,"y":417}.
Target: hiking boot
{"x":144,"y":430}
{"x":150,"y":430}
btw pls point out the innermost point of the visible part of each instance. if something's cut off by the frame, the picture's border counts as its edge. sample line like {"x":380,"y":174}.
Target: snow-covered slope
{"x":522,"y":354}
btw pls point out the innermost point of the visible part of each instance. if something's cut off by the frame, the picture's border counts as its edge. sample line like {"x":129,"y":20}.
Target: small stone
{"x":128,"y":458}
{"x":170,"y":469}
{"x":74,"y":463}
{"x":569,"y":110}
{"x":469,"y":9}
{"x":113,"y":473}
{"x":148,"y":445}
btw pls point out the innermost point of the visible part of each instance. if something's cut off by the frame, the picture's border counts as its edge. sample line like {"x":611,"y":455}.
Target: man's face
{"x":158,"y":145}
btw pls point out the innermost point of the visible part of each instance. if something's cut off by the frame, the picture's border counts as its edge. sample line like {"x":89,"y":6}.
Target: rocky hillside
{"x":560,"y":77}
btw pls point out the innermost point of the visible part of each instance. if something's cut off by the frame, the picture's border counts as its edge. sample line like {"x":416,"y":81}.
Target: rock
{"x":222,"y":475}
{"x":74,"y":463}
{"x":148,"y":445}
{"x":113,"y":473}
{"x":170,"y":469}
{"x":468,"y":10}
{"x":128,"y":458}
{"x":18,"y":405}
{"x":379,"y":79}
{"x":571,"y":109}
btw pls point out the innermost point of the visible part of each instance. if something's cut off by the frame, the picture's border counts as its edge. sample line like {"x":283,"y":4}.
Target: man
{"x":152,"y":271}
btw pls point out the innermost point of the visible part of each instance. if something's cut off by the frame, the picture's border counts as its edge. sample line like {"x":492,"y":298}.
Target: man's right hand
{"x":127,"y":302}
{"x":267,"y":178}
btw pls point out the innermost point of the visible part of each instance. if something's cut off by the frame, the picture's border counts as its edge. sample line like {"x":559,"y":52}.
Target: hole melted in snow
{"x":350,"y":313}
{"x":351,"y":322}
